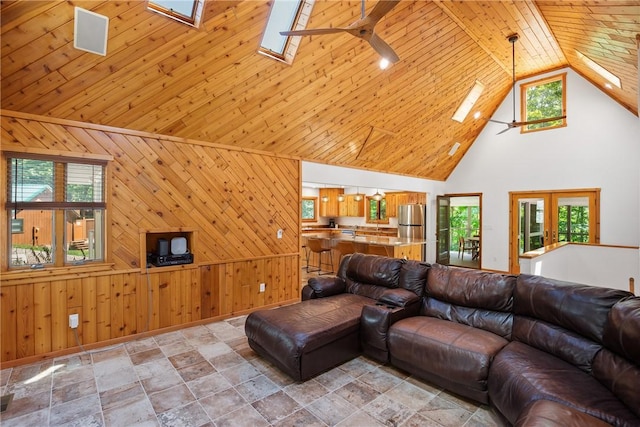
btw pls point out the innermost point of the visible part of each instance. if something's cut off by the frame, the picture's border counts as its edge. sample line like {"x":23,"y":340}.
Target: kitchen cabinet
{"x":403,"y":198}
{"x":351,"y":207}
{"x":329,"y":205}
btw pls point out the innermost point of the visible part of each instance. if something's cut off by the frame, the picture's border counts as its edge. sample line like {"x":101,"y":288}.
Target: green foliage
{"x":308,"y":209}
{"x":573,"y":224}
{"x":464,"y":222}
{"x":544,"y":101}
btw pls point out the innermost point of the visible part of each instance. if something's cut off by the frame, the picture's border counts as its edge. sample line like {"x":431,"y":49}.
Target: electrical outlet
{"x":280,"y":233}
{"x":74,"y":319}
{"x":262,"y":287}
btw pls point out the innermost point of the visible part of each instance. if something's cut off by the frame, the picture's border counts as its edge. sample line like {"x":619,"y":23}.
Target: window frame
{"x":59,"y":207}
{"x":378,"y":220}
{"x":292,"y":43}
{"x":315,"y":209}
{"x":523,"y":102}
{"x":193,"y":20}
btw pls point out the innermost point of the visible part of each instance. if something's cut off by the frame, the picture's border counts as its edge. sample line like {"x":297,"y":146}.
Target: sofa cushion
{"x":546,"y":413}
{"x":622,"y":332}
{"x":371,"y":275}
{"x":556,"y":340}
{"x":457,"y":354}
{"x":413,"y":276}
{"x":471,"y":297}
{"x":521,"y":374}
{"x":471,"y":288}
{"x":579,"y":308}
{"x":620,"y":376}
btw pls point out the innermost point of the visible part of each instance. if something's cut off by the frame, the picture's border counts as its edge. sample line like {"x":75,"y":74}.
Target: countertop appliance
{"x":411,"y":221}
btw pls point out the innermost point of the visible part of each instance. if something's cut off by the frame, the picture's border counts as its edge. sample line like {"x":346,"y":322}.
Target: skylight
{"x":186,"y":11}
{"x":468,"y":102}
{"x":602,"y":72}
{"x":285,"y":15}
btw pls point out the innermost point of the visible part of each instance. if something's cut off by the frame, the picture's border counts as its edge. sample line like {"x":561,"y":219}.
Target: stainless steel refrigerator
{"x":411,"y":221}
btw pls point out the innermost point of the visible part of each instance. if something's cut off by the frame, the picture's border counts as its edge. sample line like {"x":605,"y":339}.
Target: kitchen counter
{"x":394,"y":247}
{"x":376,"y":240}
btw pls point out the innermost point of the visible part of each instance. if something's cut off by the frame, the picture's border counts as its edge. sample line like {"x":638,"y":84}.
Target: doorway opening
{"x":459,"y":224}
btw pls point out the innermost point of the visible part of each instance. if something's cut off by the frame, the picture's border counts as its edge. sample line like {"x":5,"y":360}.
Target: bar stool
{"x":305,"y":248}
{"x":316,"y":246}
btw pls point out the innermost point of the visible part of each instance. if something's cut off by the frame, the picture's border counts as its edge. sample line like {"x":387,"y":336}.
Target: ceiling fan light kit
{"x":513,"y":38}
{"x":363,"y":28}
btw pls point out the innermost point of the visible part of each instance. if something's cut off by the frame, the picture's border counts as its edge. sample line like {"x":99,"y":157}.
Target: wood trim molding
{"x":142,"y":134}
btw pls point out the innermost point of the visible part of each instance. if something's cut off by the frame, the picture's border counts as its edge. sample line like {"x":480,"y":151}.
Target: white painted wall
{"x":599,"y":148}
{"x":584,"y":264}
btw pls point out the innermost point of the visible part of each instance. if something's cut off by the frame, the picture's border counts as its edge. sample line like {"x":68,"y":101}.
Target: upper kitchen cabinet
{"x":350,"y":206}
{"x":329,"y":204}
{"x":403,"y":198}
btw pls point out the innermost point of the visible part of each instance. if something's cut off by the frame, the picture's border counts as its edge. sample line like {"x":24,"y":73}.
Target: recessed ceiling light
{"x":477,"y":115}
{"x":608,"y":86}
{"x":384,"y":63}
{"x":468,"y":102}
{"x":613,"y":79}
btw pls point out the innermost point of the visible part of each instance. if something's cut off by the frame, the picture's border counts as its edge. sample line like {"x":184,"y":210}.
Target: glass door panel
{"x":573,"y":219}
{"x":542,"y":218}
{"x":443,"y":233}
{"x":531,"y":235}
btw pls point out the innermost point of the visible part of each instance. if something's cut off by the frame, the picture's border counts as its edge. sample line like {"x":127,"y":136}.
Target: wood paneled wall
{"x":235,"y":199}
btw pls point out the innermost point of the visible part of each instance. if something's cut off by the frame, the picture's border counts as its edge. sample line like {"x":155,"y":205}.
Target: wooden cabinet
{"x":329,"y":205}
{"x":351,"y":207}
{"x":403,"y":198}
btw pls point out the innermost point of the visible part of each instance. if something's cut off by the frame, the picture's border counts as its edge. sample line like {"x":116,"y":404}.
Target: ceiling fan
{"x":362,"y":28}
{"x":514,"y":124}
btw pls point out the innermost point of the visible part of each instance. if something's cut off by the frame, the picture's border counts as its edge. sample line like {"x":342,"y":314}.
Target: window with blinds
{"x":56,"y":206}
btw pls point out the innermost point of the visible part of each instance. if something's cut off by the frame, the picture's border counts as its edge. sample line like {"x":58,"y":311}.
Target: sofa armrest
{"x":398,"y":297}
{"x":320,"y":287}
{"x":375,"y":322}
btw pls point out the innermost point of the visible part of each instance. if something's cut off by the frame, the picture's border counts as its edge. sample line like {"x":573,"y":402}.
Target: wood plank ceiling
{"x":210,"y":84}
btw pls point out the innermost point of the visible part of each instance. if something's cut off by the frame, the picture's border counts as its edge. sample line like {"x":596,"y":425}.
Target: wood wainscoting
{"x":113,"y":305}
{"x":232,"y":202}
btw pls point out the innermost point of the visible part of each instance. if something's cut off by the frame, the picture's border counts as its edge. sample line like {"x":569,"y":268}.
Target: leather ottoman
{"x":309,"y":337}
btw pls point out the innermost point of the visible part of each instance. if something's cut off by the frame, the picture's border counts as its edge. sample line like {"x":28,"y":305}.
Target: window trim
{"x":193,"y":20}
{"x":315,"y":209}
{"x":379,"y":220}
{"x":293,"y":42}
{"x":59,"y":208}
{"x":523,"y":101}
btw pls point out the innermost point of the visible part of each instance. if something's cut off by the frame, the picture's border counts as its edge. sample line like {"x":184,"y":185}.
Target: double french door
{"x":542,"y":218}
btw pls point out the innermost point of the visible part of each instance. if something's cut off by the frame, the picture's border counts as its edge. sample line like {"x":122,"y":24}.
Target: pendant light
{"x":324,"y":198}
{"x":358,"y":196}
{"x":341,"y":197}
{"x":377,"y":196}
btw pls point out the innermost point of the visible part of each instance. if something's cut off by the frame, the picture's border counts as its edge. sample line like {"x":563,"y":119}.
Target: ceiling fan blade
{"x":499,"y":121}
{"x":535,"y":122}
{"x":382,"y":8}
{"x":383,"y":48}
{"x":504,"y":130}
{"x":312,"y":31}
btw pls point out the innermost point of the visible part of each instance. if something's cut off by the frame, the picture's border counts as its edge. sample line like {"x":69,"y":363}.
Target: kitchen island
{"x":341,"y":244}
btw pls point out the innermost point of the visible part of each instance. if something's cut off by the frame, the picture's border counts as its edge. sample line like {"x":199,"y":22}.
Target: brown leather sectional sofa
{"x":540,"y":351}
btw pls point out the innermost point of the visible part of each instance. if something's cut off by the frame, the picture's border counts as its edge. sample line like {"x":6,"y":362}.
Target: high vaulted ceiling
{"x":333,"y":104}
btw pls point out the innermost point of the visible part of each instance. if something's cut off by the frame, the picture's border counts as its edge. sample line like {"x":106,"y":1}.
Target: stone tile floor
{"x":208,"y":376}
